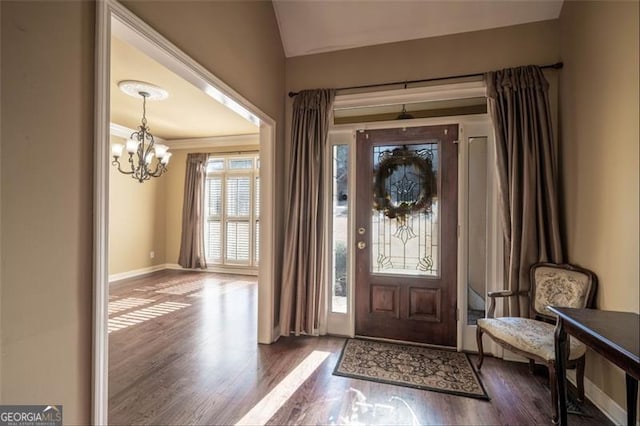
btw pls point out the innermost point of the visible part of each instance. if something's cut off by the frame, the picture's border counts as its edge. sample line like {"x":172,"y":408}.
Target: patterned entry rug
{"x":411,"y":366}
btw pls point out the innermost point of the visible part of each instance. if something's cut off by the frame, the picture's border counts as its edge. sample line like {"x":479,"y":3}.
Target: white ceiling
{"x":314,"y":26}
{"x":187,"y":113}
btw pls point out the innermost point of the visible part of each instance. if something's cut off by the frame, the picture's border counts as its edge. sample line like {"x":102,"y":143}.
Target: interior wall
{"x":47,"y":168}
{"x":600,"y":157}
{"x":47,"y":211}
{"x":137,"y":220}
{"x":175,"y":194}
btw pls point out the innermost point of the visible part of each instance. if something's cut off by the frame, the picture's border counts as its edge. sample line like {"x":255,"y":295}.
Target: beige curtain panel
{"x":302,"y":299}
{"x":527,"y":180}
{"x":192,"y":254}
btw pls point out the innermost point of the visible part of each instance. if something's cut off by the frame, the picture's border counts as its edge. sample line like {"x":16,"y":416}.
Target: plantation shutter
{"x":238,"y":215}
{"x":213,"y":231}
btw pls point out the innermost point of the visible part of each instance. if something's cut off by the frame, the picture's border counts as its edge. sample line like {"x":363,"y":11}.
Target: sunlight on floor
{"x":141,"y":315}
{"x":127,"y":303}
{"x":271,"y":403}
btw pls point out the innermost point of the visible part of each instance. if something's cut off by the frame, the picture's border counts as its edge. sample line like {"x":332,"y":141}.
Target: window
{"x":340,"y":206}
{"x":232,"y":210}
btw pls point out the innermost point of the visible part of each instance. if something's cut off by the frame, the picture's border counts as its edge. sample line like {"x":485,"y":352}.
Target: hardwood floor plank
{"x":201,"y":365}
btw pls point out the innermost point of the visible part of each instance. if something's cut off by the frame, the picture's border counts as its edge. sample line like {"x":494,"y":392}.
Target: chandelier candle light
{"x":141,"y":146}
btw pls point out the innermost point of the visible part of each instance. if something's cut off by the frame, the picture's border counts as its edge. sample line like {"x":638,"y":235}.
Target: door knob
{"x":361,"y":245}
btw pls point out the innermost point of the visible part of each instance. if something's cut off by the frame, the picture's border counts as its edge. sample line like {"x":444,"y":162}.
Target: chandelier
{"x":147,"y":159}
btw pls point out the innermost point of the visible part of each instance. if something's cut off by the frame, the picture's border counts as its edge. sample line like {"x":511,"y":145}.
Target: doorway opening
{"x":112,"y":18}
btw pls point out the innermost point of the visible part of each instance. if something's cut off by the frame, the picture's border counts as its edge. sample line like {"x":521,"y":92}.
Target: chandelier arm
{"x":133,"y":168}
{"x":116,"y":162}
{"x":160,"y":169}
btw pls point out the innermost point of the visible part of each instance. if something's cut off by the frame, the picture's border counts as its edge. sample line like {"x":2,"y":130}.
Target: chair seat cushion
{"x":528,"y":335}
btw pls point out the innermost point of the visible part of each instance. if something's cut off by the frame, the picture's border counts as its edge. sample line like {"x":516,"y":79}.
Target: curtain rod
{"x":556,"y":66}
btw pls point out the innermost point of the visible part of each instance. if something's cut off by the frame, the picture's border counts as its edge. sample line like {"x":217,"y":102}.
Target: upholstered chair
{"x":533,"y":337}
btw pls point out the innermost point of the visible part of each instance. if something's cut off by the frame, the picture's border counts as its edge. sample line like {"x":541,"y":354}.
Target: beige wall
{"x":471,"y":52}
{"x":47,"y":120}
{"x":47,"y":134}
{"x":599,"y":140}
{"x":137,"y":220}
{"x":175,"y":194}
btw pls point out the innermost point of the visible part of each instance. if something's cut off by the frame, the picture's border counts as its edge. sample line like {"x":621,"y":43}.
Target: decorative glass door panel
{"x":404,"y":225}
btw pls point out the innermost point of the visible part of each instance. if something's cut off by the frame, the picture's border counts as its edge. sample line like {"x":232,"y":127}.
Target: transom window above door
{"x":232,"y":210}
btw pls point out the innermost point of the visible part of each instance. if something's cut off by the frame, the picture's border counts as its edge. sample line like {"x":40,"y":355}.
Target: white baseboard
{"x":218,"y":269}
{"x":593,"y":393}
{"x":142,"y":271}
{"x":608,"y":406}
{"x":136,"y":272}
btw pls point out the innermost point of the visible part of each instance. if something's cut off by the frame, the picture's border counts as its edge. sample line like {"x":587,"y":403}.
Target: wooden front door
{"x":406,"y":234}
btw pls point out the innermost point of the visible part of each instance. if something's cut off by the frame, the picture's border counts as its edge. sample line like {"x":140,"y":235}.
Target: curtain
{"x":527,"y":181}
{"x":192,"y":253}
{"x":302,"y":299}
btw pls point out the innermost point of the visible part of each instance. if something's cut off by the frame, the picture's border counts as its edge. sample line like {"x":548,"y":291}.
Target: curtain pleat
{"x":192,"y":254}
{"x":528,"y":185}
{"x":302,"y":299}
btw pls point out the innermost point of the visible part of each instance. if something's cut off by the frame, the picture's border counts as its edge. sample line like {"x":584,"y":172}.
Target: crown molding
{"x":214,"y":141}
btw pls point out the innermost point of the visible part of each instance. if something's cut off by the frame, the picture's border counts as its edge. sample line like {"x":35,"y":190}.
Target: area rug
{"x":411,"y":366}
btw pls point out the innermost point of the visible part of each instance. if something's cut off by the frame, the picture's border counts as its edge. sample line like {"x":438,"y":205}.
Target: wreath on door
{"x":392,"y":162}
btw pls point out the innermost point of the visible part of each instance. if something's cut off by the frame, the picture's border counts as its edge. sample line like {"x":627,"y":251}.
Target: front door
{"x":406,"y":234}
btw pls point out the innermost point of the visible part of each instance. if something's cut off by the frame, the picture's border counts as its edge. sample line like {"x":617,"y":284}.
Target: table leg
{"x":632,"y":399}
{"x":561,"y":372}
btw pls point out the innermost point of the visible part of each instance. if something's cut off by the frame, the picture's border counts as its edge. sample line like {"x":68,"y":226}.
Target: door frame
{"x":179,"y":62}
{"x":344,"y":324}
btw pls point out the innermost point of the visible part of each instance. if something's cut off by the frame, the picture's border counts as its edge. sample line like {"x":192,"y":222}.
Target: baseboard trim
{"x":136,"y":272}
{"x":220,"y":270}
{"x":604,"y":403}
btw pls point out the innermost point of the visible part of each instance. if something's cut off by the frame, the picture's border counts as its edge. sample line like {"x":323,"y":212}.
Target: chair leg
{"x":553,"y":385}
{"x":480,"y":350}
{"x":580,"y":377}
{"x":532,"y":366}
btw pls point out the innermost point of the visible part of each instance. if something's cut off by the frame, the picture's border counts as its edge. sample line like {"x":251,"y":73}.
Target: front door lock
{"x":361,"y":245}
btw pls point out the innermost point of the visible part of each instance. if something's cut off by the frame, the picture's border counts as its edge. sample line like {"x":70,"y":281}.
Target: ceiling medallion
{"x":135,"y":88}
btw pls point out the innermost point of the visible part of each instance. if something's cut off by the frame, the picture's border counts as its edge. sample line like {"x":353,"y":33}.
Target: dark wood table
{"x":614,"y":335}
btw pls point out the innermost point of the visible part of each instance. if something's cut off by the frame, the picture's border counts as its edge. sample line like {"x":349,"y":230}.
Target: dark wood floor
{"x":183,"y":350}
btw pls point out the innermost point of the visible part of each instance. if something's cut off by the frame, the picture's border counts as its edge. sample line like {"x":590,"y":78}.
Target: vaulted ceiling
{"x":315,"y":26}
